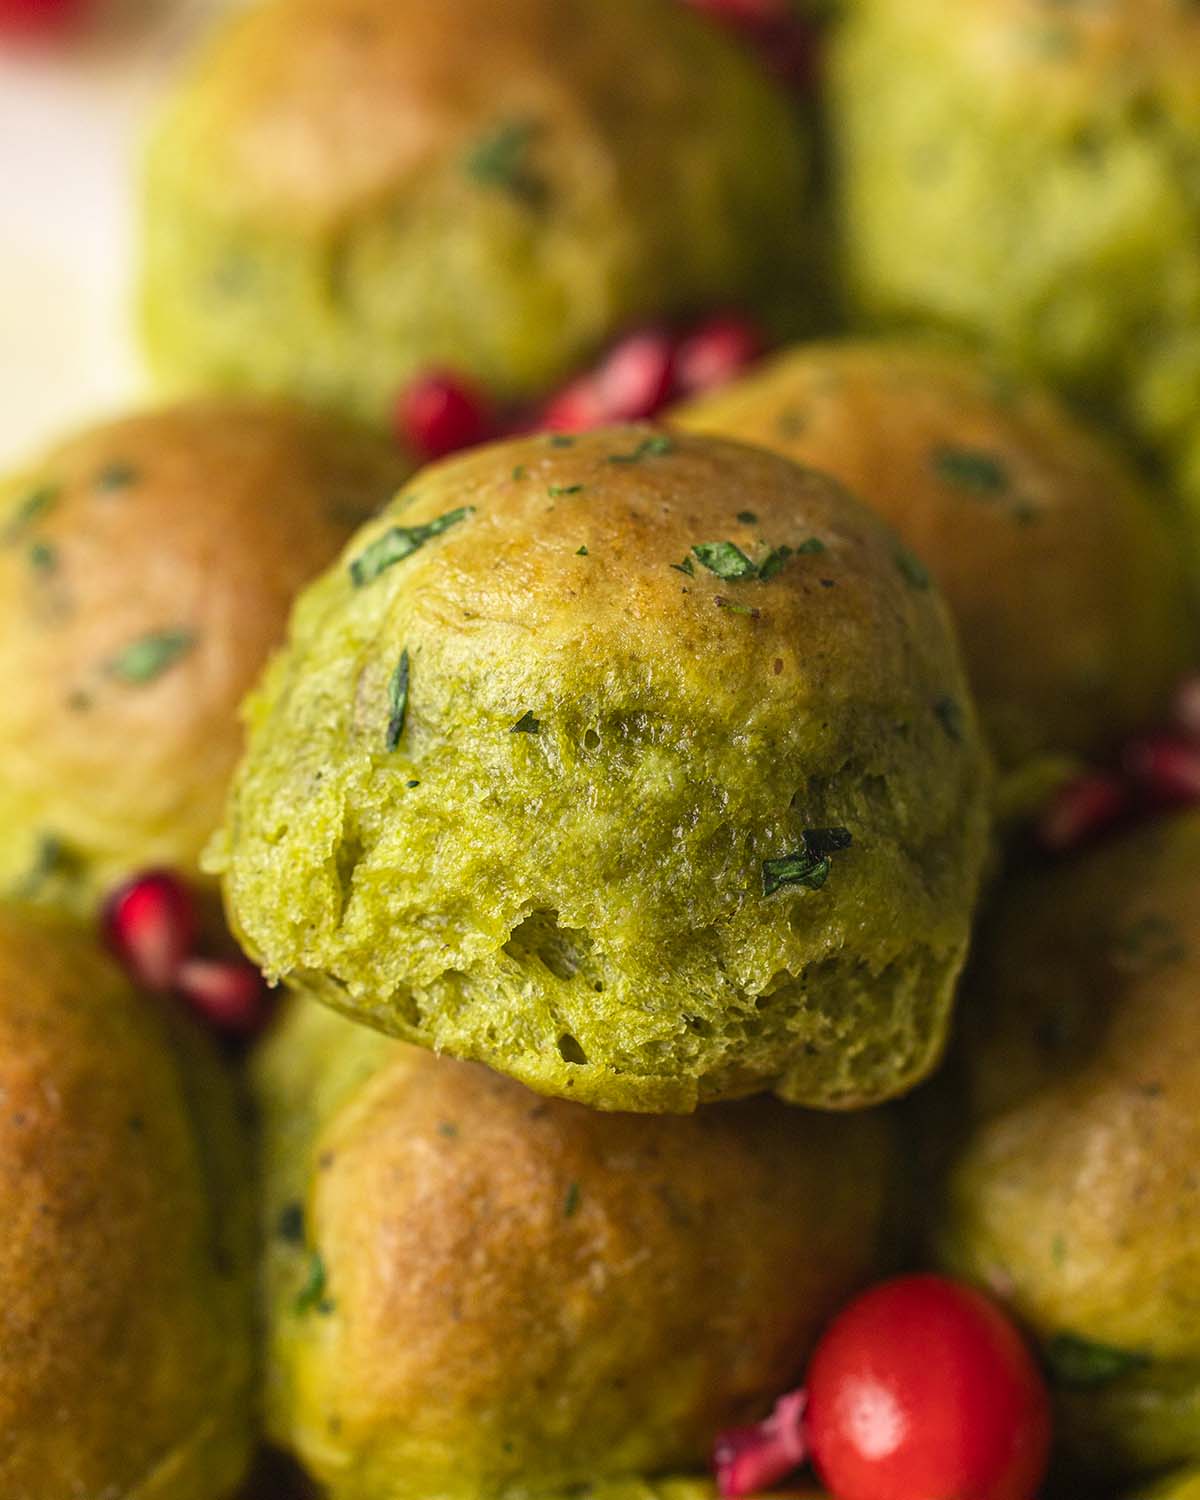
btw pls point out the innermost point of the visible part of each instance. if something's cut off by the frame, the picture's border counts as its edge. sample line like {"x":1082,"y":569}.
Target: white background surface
{"x":72,"y":118}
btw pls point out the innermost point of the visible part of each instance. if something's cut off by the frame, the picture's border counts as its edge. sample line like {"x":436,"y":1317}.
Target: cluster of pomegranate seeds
{"x":152,"y":926}
{"x":640,"y":375}
{"x":785,"y":41}
{"x":748,"y":1460}
{"x":1154,"y":773}
{"x":439,"y":413}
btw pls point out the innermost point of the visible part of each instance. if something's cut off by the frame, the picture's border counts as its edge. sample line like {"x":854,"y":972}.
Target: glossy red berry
{"x":715,"y":353}
{"x":226,"y":993}
{"x":923,"y":1389}
{"x":748,"y":1460}
{"x":439,"y":413}
{"x":1165,"y":768}
{"x":576,"y":408}
{"x":40,"y":18}
{"x":1080,"y":810}
{"x":634,"y":380}
{"x":151,"y":924}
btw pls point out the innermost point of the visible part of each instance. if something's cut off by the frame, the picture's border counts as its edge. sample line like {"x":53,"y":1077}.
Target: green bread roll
{"x":1072,"y":1192}
{"x":1029,"y":173}
{"x":1067,"y":581}
{"x":147,"y":566}
{"x":347,"y":192}
{"x":471,"y":1291}
{"x":640,"y":768}
{"x":125,"y":1259}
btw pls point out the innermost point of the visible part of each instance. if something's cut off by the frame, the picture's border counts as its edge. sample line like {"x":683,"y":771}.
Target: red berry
{"x":923,"y":1389}
{"x":151,"y":925}
{"x":715,"y":353}
{"x":748,"y":1460}
{"x":39,"y":18}
{"x":576,"y":408}
{"x":440,"y":413}
{"x":228,"y":994}
{"x":1166,"y":769}
{"x":1080,"y":810}
{"x":634,"y":379}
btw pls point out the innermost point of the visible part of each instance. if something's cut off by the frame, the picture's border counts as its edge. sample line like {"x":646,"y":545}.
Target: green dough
{"x":126,"y":1254}
{"x":1030,"y":173}
{"x":1066,"y":578}
{"x":544,"y":790}
{"x":471,"y":1291}
{"x":346,"y":192}
{"x":1073,"y":1191}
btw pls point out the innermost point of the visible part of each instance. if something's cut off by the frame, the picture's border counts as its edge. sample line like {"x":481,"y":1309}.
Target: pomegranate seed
{"x":151,"y":924}
{"x":440,"y":413}
{"x":1083,"y":808}
{"x":747,"y":1460}
{"x":1185,"y":710}
{"x":1166,"y":769}
{"x":716,"y":352}
{"x":39,"y":18}
{"x":227,"y":993}
{"x":634,"y":380}
{"x":576,"y":408}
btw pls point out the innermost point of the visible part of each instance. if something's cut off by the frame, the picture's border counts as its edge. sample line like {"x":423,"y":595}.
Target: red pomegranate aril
{"x":39,"y":18}
{"x":439,"y":413}
{"x":576,"y":408}
{"x":715,"y":353}
{"x":634,"y":380}
{"x":748,"y":1460}
{"x":151,"y":924}
{"x":1166,"y":769}
{"x":1080,"y":810}
{"x":227,"y":993}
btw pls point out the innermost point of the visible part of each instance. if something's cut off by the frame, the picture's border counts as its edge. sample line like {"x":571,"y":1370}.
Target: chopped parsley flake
{"x":651,"y":447}
{"x":913,"y":569}
{"x":311,"y":1296}
{"x":772,"y":563}
{"x":813,"y":546}
{"x":809,"y":865}
{"x":747,"y":518}
{"x":51,"y":859}
{"x":501,"y":160}
{"x":1080,"y":1364}
{"x":950,"y":714}
{"x":150,"y":657}
{"x":397,"y":701}
{"x":581,"y":552}
{"x":35,"y":505}
{"x":556,"y":490}
{"x":519,"y":472}
{"x":561,"y":440}
{"x":116,"y":476}
{"x":685,"y":567}
{"x":43,"y":558}
{"x":527,"y":724}
{"x":572,"y":1200}
{"x":736,"y":608}
{"x":399,"y":542}
{"x":981,"y":473}
{"x":724,"y":559}
{"x":290,"y":1224}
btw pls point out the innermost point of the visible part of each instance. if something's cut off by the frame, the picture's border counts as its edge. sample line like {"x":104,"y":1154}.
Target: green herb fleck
{"x":32,"y":508}
{"x":397,"y":701}
{"x":311,"y":1296}
{"x":809,"y":865}
{"x":150,"y":657}
{"x":913,"y":569}
{"x":950,"y":714}
{"x":561,"y":440}
{"x":724,"y":559}
{"x":971,"y":469}
{"x":52,"y":858}
{"x":116,"y":476}
{"x":412,"y":783}
{"x":736,"y":608}
{"x":747,"y":518}
{"x":685,"y":567}
{"x":448,"y":1129}
{"x":581,"y":552}
{"x":399,"y":542}
{"x":772,"y":563}
{"x":557,"y":490}
{"x":812,"y":546}
{"x":527,"y":724}
{"x":1080,"y":1364}
{"x":501,"y":160}
{"x":650,"y":447}
{"x":290,"y":1224}
{"x":43,"y":558}
{"x":572,"y":1201}
{"x":519,"y":473}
